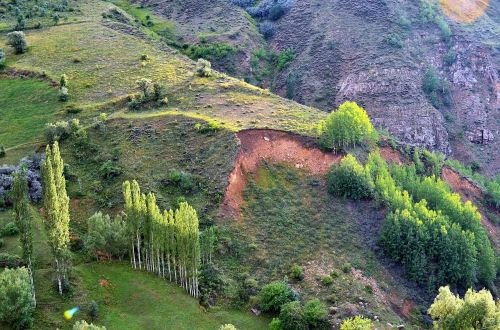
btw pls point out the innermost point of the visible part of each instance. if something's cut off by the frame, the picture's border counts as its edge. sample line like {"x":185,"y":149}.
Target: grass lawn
{"x":26,"y":106}
{"x":137,"y":300}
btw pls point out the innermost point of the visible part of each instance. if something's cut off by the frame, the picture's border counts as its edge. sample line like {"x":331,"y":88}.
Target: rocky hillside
{"x":379,"y":53}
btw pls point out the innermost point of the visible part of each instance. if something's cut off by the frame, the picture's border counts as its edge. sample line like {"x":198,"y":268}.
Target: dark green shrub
{"x":17,"y":40}
{"x":10,"y":229}
{"x":357,"y":323}
{"x":292,"y":316}
{"x":109,"y":170}
{"x":1,"y":242}
{"x":9,"y":261}
{"x":274,"y":295}
{"x":327,"y":280}
{"x":349,"y":179}
{"x":2,"y":151}
{"x":93,"y":310}
{"x":315,"y":314}
{"x":346,"y":267}
{"x":297,"y":272}
{"x":2,"y":58}
{"x":16,"y":303}
{"x":394,"y":40}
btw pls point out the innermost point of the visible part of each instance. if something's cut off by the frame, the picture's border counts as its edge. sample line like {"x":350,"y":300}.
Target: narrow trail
{"x":257,"y":145}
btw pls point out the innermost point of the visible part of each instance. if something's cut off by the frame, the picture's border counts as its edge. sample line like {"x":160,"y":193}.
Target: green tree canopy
{"x":16,"y":303}
{"x":349,"y":125}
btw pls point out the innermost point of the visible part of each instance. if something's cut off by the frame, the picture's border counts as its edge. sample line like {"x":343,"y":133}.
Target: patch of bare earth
{"x":470,"y":192}
{"x":261,"y":145}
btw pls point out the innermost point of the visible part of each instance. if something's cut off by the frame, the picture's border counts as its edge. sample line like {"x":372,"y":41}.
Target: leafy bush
{"x":17,"y":40}
{"x":227,"y":327}
{"x":349,"y":179}
{"x":357,"y":323}
{"x":16,"y":304}
{"x":327,"y":280}
{"x":285,"y":57}
{"x":63,"y":94}
{"x":274,"y":295}
{"x":292,"y":316}
{"x":315,"y":314}
{"x":93,"y":310}
{"x":347,"y":126}
{"x":109,"y":170}
{"x":1,"y":242}
{"x":211,"y":52}
{"x":297,"y":272}
{"x":436,"y":89}
{"x":106,"y":234}
{"x":57,"y":131}
{"x":271,"y":9}
{"x":394,"y":40}
{"x":9,"y":261}
{"x":493,"y":192}
{"x":10,"y":229}
{"x":83,"y":325}
{"x":203,"y":68}
{"x":210,"y":126}
{"x":2,"y":151}
{"x":275,"y":324}
{"x":450,"y":57}
{"x":477,"y":310}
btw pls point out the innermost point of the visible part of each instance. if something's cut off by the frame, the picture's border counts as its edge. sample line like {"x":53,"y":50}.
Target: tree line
{"x":166,"y":243}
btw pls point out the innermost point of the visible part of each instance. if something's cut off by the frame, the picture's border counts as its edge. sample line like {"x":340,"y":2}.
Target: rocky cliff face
{"x":375,"y":52}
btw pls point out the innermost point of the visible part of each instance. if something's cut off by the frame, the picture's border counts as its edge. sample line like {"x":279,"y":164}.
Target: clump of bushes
{"x":17,"y":40}
{"x":106,"y":234}
{"x":211,"y":126}
{"x":182,"y":180}
{"x":327,"y":280}
{"x":394,"y":40}
{"x":109,"y":170}
{"x":274,"y":295}
{"x":436,"y":89}
{"x":357,"y":323}
{"x":10,"y":229}
{"x":16,"y":303}
{"x":151,"y":92}
{"x":348,"y":126}
{"x":203,"y":68}
{"x":297,"y":272}
{"x":2,"y":151}
{"x":267,"y":29}
{"x":349,"y":179}
{"x":295,"y":316}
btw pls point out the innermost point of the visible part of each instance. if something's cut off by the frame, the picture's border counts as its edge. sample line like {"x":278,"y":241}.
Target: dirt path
{"x":258,"y":145}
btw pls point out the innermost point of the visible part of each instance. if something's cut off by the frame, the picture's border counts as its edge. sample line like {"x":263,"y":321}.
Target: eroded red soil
{"x":274,"y":146}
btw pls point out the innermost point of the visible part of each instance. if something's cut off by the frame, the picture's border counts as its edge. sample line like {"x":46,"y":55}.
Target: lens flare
{"x":68,"y":315}
{"x":464,"y":11}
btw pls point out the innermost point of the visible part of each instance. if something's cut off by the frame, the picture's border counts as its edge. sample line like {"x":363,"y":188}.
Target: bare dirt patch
{"x":257,"y":146}
{"x":469,"y":191}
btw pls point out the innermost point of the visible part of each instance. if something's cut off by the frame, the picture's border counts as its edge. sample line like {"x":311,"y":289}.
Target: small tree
{"x":145,"y":86}
{"x":203,"y":68}
{"x":16,"y":304}
{"x":274,"y":295}
{"x":227,"y":327}
{"x":93,"y":310}
{"x":315,"y":314}
{"x":357,"y":323}
{"x":2,"y":58}
{"x":349,"y":179}
{"x":477,"y":310}
{"x":63,"y":82}
{"x":17,"y":40}
{"x":292,"y":316}
{"x":348,"y":126}
{"x":63,"y":94}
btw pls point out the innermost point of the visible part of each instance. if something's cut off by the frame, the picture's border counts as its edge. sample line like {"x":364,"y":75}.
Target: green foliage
{"x":9,"y":260}
{"x":428,"y":11}
{"x":430,"y":231}
{"x":349,"y":179}
{"x":57,"y":131}
{"x":93,"y":310}
{"x":450,"y":57}
{"x":275,"y":324}
{"x":315,"y":314}
{"x":477,"y":310}
{"x":63,"y":82}
{"x":2,"y":151}
{"x":182,"y":180}
{"x":56,"y":205}
{"x":357,"y":323}
{"x":493,"y":192}
{"x":297,"y":272}
{"x":211,"y":52}
{"x":10,"y":229}
{"x":347,"y":126}
{"x":109,"y":170}
{"x":63,"y":94}
{"x":327,"y":280}
{"x":394,"y":40}
{"x":227,"y":327}
{"x":17,"y":40}
{"x":285,"y":58}
{"x":444,"y":28}
{"x":106,"y":234}
{"x":292,"y":316}
{"x":436,"y":89}
{"x":203,"y":68}
{"x":274,"y":295}
{"x":16,"y":305}
{"x":83,"y":325}
{"x":211,"y":126}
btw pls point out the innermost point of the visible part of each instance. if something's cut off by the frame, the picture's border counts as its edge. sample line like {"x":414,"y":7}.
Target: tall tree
{"x":56,"y":204}
{"x":24,"y":221}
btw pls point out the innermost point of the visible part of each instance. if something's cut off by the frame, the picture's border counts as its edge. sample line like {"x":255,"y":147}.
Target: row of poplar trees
{"x":166,"y":243}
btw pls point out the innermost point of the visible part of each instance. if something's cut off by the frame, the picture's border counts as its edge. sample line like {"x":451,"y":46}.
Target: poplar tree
{"x":24,"y":221}
{"x":56,"y":204}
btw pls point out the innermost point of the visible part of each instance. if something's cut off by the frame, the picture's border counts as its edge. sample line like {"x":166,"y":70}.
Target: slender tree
{"x":24,"y":221}
{"x":56,"y":204}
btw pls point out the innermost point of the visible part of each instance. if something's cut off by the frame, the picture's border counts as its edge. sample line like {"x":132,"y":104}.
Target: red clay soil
{"x":390,"y":155}
{"x":275,"y":146}
{"x":470,"y":192}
